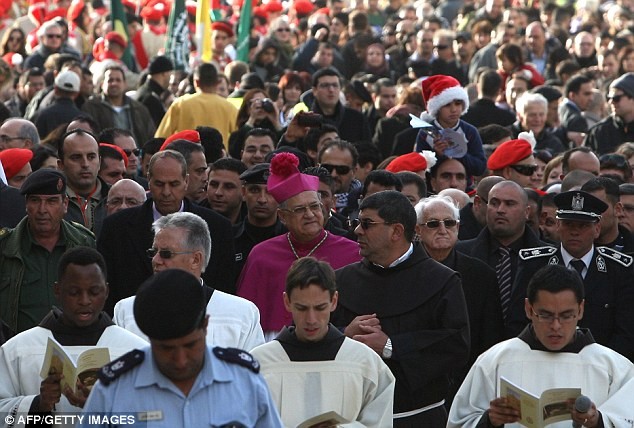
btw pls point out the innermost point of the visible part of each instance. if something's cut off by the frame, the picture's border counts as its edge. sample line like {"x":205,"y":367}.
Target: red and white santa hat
{"x":440,"y":90}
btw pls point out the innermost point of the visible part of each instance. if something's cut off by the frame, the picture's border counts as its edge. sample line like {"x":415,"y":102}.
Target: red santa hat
{"x":13,"y":160}
{"x":188,"y":134}
{"x":285,"y":180}
{"x":440,"y":90}
{"x":413,"y":162}
{"x":512,"y":151}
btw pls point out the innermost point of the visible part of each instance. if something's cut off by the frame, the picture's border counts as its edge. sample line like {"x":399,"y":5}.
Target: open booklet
{"x":328,"y":419}
{"x":554,"y":405}
{"x":57,"y":360}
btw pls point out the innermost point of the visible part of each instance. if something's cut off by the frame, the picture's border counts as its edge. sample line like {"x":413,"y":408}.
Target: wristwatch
{"x":387,"y":350}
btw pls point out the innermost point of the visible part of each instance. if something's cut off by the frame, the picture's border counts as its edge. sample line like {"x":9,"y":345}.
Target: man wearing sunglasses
{"x":125,"y":140}
{"x":551,"y":352}
{"x":616,"y":129}
{"x":606,"y":273}
{"x":301,"y":211}
{"x":437,"y":226}
{"x":340,"y":159}
{"x":387,"y":300}
{"x":514,"y":161}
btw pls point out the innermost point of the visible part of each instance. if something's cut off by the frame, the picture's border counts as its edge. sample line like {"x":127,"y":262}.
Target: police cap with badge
{"x":579,"y":206}
{"x":257,"y":174}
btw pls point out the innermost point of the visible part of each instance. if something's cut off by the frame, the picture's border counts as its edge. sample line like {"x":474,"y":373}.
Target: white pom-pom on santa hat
{"x":430,"y":157}
{"x":440,"y":90}
{"x":528,"y":136}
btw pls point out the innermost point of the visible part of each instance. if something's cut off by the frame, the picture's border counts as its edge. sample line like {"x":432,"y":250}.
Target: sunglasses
{"x":54,"y":36}
{"x":128,"y":152}
{"x":341,"y":169}
{"x":286,"y":30}
{"x":435,"y":224}
{"x":165,"y":254}
{"x":366,"y":223}
{"x":614,"y":160}
{"x":525,"y":169}
{"x":441,"y":47}
{"x":616,"y":98}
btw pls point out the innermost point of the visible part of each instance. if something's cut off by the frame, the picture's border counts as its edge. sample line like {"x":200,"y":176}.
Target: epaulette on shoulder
{"x":82,"y":228}
{"x":617,"y":256}
{"x":237,"y":356}
{"x":121,"y":365}
{"x":531,"y":253}
{"x":4,"y":232}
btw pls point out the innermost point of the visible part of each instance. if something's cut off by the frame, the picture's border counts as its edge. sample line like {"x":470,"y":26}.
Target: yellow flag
{"x":203,"y":30}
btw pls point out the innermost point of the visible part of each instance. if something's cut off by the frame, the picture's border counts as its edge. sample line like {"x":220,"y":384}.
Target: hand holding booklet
{"x":325,"y":420}
{"x":57,"y":360}
{"x":552,"y":406}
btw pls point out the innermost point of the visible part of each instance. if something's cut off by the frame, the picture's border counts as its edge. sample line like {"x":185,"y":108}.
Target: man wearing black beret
{"x":151,"y":92}
{"x":179,"y":378}
{"x":606,"y":273}
{"x":30,"y":253}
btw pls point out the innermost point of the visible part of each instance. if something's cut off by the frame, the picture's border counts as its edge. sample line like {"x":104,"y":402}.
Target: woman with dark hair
{"x":511,"y":62}
{"x":291,"y":88}
{"x":13,"y":41}
{"x":79,"y":27}
{"x":256,"y":111}
{"x":44,"y":156}
{"x":376,"y":62}
{"x":626,"y":60}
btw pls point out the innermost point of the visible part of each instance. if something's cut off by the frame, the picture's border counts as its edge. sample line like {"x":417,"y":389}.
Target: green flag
{"x":120,"y":25}
{"x":177,"y":44}
{"x":244,"y":32}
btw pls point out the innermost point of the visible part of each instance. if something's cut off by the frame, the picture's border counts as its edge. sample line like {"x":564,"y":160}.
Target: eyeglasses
{"x":341,"y":169}
{"x":315,"y":208}
{"x":54,"y":36}
{"x":328,"y":85}
{"x":549,"y":318}
{"x":286,"y":30}
{"x":435,"y":224}
{"x":128,"y":152}
{"x":525,"y":169}
{"x":7,"y":139}
{"x":616,"y":98}
{"x":164,"y":254}
{"x":119,"y":201}
{"x":366,"y":223}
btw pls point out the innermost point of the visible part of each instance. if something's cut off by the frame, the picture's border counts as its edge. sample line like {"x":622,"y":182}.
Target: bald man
{"x":123,"y":194}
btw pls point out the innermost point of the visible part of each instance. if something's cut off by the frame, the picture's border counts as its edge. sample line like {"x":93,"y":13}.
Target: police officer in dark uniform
{"x":607,"y":273}
{"x":179,"y":381}
{"x":261,"y":222}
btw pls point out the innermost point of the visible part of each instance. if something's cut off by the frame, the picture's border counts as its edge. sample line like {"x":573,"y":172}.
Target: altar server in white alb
{"x":311,"y":368}
{"x":78,"y":326}
{"x":551,"y":352}
{"x":182,"y":241}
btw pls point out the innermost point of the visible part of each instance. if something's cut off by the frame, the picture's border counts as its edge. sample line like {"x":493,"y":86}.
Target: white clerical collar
{"x":401,"y":259}
{"x":586,"y":259}
{"x":158,"y":215}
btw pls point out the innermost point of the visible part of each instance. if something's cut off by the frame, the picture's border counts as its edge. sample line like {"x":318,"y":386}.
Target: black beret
{"x":169,"y":305}
{"x":257,"y":174}
{"x":44,"y":182}
{"x":160,"y":64}
{"x":579,"y":205}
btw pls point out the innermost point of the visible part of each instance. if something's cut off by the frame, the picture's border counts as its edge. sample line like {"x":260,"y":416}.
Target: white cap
{"x":68,"y":81}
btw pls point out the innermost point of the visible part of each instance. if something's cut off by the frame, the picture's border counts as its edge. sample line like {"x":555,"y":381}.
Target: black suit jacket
{"x":484,"y":112}
{"x":609,"y":298}
{"x":469,"y":226}
{"x":127,"y":234}
{"x":12,"y":206}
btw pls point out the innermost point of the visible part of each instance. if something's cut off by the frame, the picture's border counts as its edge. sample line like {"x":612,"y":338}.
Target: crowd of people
{"x":369,"y":220}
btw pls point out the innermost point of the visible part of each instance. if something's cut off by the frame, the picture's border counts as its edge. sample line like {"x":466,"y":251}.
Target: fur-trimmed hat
{"x":440,"y":90}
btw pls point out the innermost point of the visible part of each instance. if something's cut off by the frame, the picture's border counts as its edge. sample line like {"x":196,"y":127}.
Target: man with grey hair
{"x":51,"y":41}
{"x":437,"y":224}
{"x":124,"y":194}
{"x":182,"y":241}
{"x":532,"y":110}
{"x":18,"y":133}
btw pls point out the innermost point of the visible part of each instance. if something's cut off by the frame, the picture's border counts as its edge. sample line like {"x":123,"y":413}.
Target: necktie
{"x":503,"y":272}
{"x":578,"y":265}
